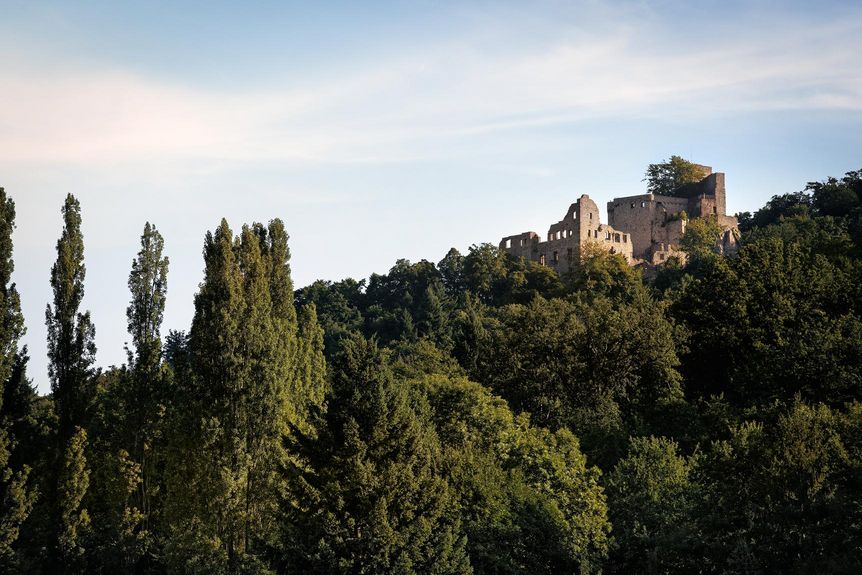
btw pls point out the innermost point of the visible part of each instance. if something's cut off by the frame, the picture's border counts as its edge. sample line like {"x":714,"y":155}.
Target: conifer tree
{"x":71,"y":346}
{"x":369,"y":492}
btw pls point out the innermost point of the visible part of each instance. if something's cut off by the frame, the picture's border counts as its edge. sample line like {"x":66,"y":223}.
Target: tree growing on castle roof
{"x":667,"y":177}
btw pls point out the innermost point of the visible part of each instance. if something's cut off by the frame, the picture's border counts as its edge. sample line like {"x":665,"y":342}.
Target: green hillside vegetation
{"x":478,"y":415}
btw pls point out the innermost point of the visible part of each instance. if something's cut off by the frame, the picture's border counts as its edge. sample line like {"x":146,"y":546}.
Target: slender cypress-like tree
{"x":71,"y":335}
{"x":148,"y":284}
{"x":16,"y":496}
{"x":71,"y":353}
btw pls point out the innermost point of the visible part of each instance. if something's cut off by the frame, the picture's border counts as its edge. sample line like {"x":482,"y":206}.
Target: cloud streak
{"x":415,"y":106}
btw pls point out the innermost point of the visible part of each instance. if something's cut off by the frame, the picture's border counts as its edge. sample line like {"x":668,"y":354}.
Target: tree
{"x":251,"y":375}
{"x":433,"y":320}
{"x":590,"y":365}
{"x":835,"y":197}
{"x":148,"y":284}
{"x":16,"y":493}
{"x":772,"y":322}
{"x":796,"y":204}
{"x":701,"y":240}
{"x":485,"y":272}
{"x":72,"y":485}
{"x":367,"y":493}
{"x":129,"y":450}
{"x":529,"y":503}
{"x":452,"y":271}
{"x":338,"y":306}
{"x":597,"y":272}
{"x":780,"y":493}
{"x":665,"y":178}
{"x":71,"y":345}
{"x":651,"y":495}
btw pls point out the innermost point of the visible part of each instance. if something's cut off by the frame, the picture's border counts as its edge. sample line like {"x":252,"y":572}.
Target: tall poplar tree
{"x":71,"y":353}
{"x":145,"y":395}
{"x":251,"y":374}
{"x":16,"y":496}
{"x":71,"y":334}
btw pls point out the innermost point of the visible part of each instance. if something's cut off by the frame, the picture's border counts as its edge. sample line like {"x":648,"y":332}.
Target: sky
{"x":386,"y":130}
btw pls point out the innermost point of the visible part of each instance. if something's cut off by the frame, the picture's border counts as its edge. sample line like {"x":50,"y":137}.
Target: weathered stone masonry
{"x":645,"y":229}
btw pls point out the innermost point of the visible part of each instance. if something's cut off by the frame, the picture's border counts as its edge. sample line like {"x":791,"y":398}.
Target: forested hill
{"x":479,"y":415}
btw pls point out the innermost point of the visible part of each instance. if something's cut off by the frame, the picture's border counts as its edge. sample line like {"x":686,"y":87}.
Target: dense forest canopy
{"x":478,"y":415}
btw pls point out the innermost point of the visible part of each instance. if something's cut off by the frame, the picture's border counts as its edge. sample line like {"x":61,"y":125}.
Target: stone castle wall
{"x":562,"y":245}
{"x":645,"y":228}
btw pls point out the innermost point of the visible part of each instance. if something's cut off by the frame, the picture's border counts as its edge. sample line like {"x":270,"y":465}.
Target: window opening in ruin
{"x":607,"y":235}
{"x":542,"y":259}
{"x":509,"y":243}
{"x":661,"y":257}
{"x":633,"y":204}
{"x":556,"y":257}
{"x":625,"y":239}
{"x":643,"y":204}
{"x":617,"y":238}
{"x":591,"y":215}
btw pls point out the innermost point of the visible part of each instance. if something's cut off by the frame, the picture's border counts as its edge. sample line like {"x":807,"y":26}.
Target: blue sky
{"x":386,"y":130}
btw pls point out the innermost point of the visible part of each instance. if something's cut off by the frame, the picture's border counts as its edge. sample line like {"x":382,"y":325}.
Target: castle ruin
{"x":644,"y":229}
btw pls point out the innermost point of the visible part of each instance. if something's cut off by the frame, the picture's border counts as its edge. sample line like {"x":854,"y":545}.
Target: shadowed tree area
{"x":478,"y":415}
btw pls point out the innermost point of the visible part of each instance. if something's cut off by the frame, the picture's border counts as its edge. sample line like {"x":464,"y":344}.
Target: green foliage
{"x":72,"y":484}
{"x":780,"y":494}
{"x":836,"y":197}
{"x":599,"y":273}
{"x":652,"y":498}
{"x":485,"y":272}
{"x":452,"y":272}
{"x":667,"y":177}
{"x":586,"y":365}
{"x":353,"y":426}
{"x":368,"y":496}
{"x":254,"y":370}
{"x":339,"y":308}
{"x":774,"y":321}
{"x":71,"y":335}
{"x":529,"y":501}
{"x":16,"y":492}
{"x":701,"y":240}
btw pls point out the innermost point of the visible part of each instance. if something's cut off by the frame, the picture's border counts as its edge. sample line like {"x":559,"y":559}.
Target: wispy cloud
{"x":417,"y":105}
